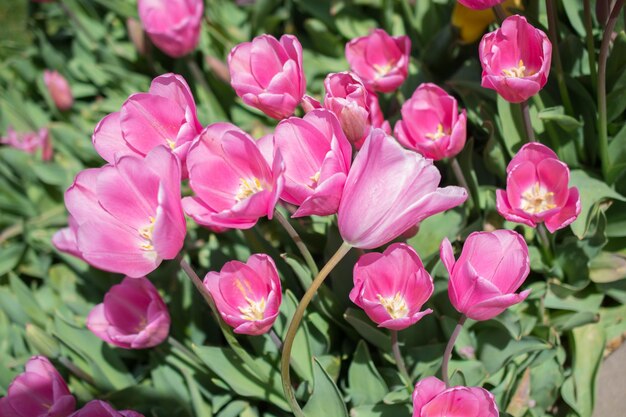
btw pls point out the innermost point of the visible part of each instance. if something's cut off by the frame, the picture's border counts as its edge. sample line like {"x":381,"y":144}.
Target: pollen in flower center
{"x":537,"y":199}
{"x":516,"y":72}
{"x":145,"y":233}
{"x":314,"y":180}
{"x":438,"y":134}
{"x":171,"y":144}
{"x":255,"y":310}
{"x":248,"y":187}
{"x":395,"y":306}
{"x":382,"y":70}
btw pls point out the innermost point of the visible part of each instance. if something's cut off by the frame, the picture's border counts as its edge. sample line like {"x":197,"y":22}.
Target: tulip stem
{"x":447,"y":354}
{"x":460,"y":177}
{"x":295,"y":323}
{"x":276,"y":339}
{"x":500,"y":13}
{"x":196,"y":72}
{"x":395,"y":348}
{"x":556,"y":56}
{"x":591,"y":50}
{"x":543,"y":238}
{"x":308,"y":258}
{"x":76,"y":370}
{"x":530,"y":133}
{"x":603,"y":138}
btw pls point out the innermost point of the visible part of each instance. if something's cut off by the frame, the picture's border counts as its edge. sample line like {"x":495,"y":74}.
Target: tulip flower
{"x":391,"y":287}
{"x":347,"y":97}
{"x":515,"y":59}
{"x":480,"y":4}
{"x":431,"y":398}
{"x":97,"y":408}
{"x":247,"y":295}
{"x":537,"y":190}
{"x":38,"y":392}
{"x":492,"y":266}
{"x":317,"y":159}
{"x":132,"y":316}
{"x":165,"y":115}
{"x":59,"y":90}
{"x":30,"y":142}
{"x":389,"y":190}
{"x":431,"y":123}
{"x":380,"y":60}
{"x":267,"y":74}
{"x":127,"y":217}
{"x":247,"y":187}
{"x":172,"y":25}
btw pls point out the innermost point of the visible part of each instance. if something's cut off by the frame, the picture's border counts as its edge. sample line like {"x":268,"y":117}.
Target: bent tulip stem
{"x":448,"y":352}
{"x":556,"y":56}
{"x":295,"y":324}
{"x":500,"y":13}
{"x":530,"y":133}
{"x":397,"y":355}
{"x":308,"y":258}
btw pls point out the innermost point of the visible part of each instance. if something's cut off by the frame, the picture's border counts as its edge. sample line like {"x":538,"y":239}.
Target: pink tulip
{"x":389,"y":190}
{"x":59,"y":90}
{"x":247,"y":187}
{"x":492,"y":266}
{"x":376,"y":118}
{"x":391,"y":287}
{"x":165,"y":115}
{"x":537,"y":190}
{"x":97,"y":408}
{"x":515,"y":59}
{"x":127,"y":217}
{"x":267,"y":74}
{"x":382,"y":61}
{"x":317,"y":159}
{"x":172,"y":25}
{"x":132,"y":315}
{"x":431,"y":123}
{"x":431,"y":398}
{"x":30,"y":142}
{"x":480,"y":4}
{"x":38,"y":392}
{"x":247,"y":295}
{"x":346,"y":96}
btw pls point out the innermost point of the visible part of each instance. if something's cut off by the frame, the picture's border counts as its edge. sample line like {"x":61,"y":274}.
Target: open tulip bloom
{"x":431,"y":398}
{"x":98,"y":408}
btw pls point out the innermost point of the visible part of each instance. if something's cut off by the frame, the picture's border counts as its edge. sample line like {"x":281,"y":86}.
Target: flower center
{"x":536,"y":200}
{"x":255,"y":310}
{"x":382,"y":70}
{"x":247,"y":188}
{"x":516,"y":72}
{"x":314,"y":180}
{"x":171,"y":144}
{"x":395,"y":306}
{"x":438,"y":134}
{"x":145,"y":233}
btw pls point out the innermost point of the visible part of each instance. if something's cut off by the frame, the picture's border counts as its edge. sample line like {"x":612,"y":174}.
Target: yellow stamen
{"x":255,"y":310}
{"x":536,"y":200}
{"x":517,"y":72}
{"x":382,"y":70}
{"x":248,"y":188}
{"x":171,"y":144}
{"x":395,"y":306}
{"x":145,"y":233}
{"x":314,"y":180}
{"x":438,"y":134}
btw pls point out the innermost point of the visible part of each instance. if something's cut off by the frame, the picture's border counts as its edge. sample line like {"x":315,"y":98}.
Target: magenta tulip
{"x":492,"y":266}
{"x":267,"y":74}
{"x":515,"y":59}
{"x":38,"y":392}
{"x":59,"y":90}
{"x":537,"y":190}
{"x":431,"y":123}
{"x":382,"y":61}
{"x":317,"y":159}
{"x":247,"y":295}
{"x":30,"y":142}
{"x":132,"y":316}
{"x":389,"y":190}
{"x":97,"y":408}
{"x":247,"y":187}
{"x":391,"y":287}
{"x":172,"y":25}
{"x":346,"y":96}
{"x":480,"y":4}
{"x":165,"y":115}
{"x":431,"y":398}
{"x":127,"y":217}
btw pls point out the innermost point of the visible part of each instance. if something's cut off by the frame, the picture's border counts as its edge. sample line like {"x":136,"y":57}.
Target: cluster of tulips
{"x":339,"y":158}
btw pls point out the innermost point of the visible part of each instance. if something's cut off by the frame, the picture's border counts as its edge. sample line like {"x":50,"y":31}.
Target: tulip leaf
{"x":433,"y":230}
{"x":363,"y":326}
{"x":556,"y":114}
{"x":381,"y":410}
{"x":365,"y":382}
{"x":326,"y":399}
{"x":496,"y":348}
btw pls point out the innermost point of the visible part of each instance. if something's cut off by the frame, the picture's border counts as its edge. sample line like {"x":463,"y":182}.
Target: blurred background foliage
{"x":539,"y":359}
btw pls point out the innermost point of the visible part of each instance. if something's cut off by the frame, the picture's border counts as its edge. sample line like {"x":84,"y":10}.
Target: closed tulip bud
{"x":382,"y":61}
{"x":38,"y":392}
{"x":346,"y":96}
{"x":98,"y":408}
{"x":59,"y":90}
{"x":267,"y":74}
{"x":398,"y":187}
{"x":391,"y":287}
{"x":132,"y":315}
{"x":431,"y":398}
{"x":431,"y":123}
{"x":480,"y":4}
{"x":30,"y":142}
{"x":247,"y":295}
{"x":492,"y":266}
{"x":537,"y":190}
{"x":172,"y":25}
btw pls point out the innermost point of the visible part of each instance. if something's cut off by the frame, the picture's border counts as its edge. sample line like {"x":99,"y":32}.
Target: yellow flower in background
{"x":472,"y":23}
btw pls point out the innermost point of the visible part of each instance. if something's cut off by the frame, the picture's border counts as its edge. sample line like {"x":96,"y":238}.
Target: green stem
{"x":196,"y":72}
{"x":295,"y":323}
{"x":447,"y":354}
{"x":308,"y":258}
{"x":460,"y":177}
{"x":528,"y":127}
{"x":591,"y":50}
{"x":556,"y":56}
{"x":395,"y":348}
{"x":542,"y":234}
{"x":500,"y":13}
{"x":276,"y":339}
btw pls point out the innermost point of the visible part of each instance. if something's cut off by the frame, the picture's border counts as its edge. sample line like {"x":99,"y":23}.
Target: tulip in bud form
{"x":492,"y":266}
{"x":431,"y":398}
{"x":247,"y":295}
{"x":59,"y":90}
{"x":98,"y":408}
{"x":30,"y":142}
{"x":346,"y":96}
{"x":480,"y":4}
{"x":391,"y":287}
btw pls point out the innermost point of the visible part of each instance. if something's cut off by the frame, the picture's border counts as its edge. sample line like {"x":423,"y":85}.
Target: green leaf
{"x":365,"y":382}
{"x":556,"y":115}
{"x":607,"y":267}
{"x":363,"y":326}
{"x":434,"y":229}
{"x":326,"y":399}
